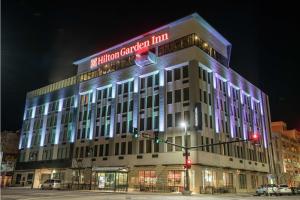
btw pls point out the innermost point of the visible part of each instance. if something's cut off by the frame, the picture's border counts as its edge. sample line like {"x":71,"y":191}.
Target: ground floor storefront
{"x":151,"y":178}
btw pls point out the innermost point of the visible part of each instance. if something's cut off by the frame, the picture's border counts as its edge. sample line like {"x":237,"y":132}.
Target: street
{"x":29,"y":194}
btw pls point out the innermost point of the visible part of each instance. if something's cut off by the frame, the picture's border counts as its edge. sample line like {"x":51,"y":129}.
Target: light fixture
{"x":183,"y":124}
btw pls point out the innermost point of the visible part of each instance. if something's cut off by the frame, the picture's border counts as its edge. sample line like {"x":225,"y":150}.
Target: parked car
{"x":284,"y":189}
{"x":295,"y":190}
{"x":269,"y":189}
{"x":51,"y":184}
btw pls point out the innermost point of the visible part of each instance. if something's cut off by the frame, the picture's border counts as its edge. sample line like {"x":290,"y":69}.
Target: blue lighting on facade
{"x":33,"y":111}
{"x":46,"y":108}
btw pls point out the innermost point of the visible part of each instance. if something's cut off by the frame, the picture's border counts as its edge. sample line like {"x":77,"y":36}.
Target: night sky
{"x":41,"y":39}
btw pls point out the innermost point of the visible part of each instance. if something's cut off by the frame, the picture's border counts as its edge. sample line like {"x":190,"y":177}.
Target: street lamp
{"x":187,"y":161}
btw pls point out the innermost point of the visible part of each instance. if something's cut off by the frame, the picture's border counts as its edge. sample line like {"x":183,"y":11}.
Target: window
{"x":187,"y":117}
{"x":156,"y":147}
{"x":205,"y":120}
{"x":142,"y":83}
{"x":156,"y":122}
{"x":186,"y":93}
{"x":169,"y":76}
{"x":177,"y":74}
{"x":243,"y":181}
{"x":178,"y":141}
{"x":209,"y":178}
{"x":131,"y":105}
{"x":129,"y":150}
{"x":169,"y":120}
{"x":142,"y":124}
{"x":156,"y":77}
{"x":149,"y":81}
{"x":170,"y":147}
{"x":118,"y":128}
{"x":177,"y":119}
{"x":149,"y":123}
{"x":148,"y":146}
{"x":125,"y":107}
{"x":106,"y":149}
{"x":123,"y":148}
{"x":209,"y":99}
{"x":199,"y":73}
{"x":142,"y":105}
{"x":100,"y":150}
{"x":119,"y":108}
{"x":119,"y":89}
{"x":125,"y":87}
{"x":204,"y":75}
{"x":185,"y":72}
{"x":210,"y":122}
{"x":200,"y":95}
{"x":124,"y":127}
{"x":169,"y":98}
{"x":141,"y":146}
{"x":116,"y":148}
{"x":177,"y":96}
{"x":228,"y":179}
{"x":207,"y":142}
{"x":205,"y":96}
{"x":149,"y":101}
{"x":156,"y":100}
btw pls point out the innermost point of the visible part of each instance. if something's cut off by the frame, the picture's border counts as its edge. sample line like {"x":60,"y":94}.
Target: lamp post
{"x":187,"y":179}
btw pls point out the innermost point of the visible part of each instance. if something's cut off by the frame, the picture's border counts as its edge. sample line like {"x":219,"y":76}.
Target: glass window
{"x":123,"y":148}
{"x":116,"y":148}
{"x":142,"y":83}
{"x":205,"y":96}
{"x":169,"y":98}
{"x":100,"y":150}
{"x":148,"y":146}
{"x":126,"y":87}
{"x":243,"y":181}
{"x":169,"y":76}
{"x":142,"y":105}
{"x":156,"y":100}
{"x":149,"y":81}
{"x":169,"y":120}
{"x":186,"y":94}
{"x":149,"y":101}
{"x":141,"y":124}
{"x":120,"y":89}
{"x":141,"y":146}
{"x":129,"y":150}
{"x":185,"y":72}
{"x":149,"y":123}
{"x":177,"y":119}
{"x":156,"y":79}
{"x":170,"y":147}
{"x":124,"y":127}
{"x":177,"y":74}
{"x":125,"y":107}
{"x":106,"y":149}
{"x":177,"y":96}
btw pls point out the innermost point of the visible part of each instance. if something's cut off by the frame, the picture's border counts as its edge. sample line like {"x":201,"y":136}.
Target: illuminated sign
{"x":130,"y":49}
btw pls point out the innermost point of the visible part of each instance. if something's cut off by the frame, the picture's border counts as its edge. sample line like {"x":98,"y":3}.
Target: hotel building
{"x":79,"y":129}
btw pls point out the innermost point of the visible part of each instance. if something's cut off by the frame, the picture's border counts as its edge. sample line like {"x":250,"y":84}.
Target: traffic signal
{"x":156,"y":138}
{"x":254,"y":138}
{"x":188,"y":164}
{"x":135,"y":133}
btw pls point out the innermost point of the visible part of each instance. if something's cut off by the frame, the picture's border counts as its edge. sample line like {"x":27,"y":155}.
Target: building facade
{"x":79,"y":129}
{"x":9,"y":154}
{"x":286,"y":153}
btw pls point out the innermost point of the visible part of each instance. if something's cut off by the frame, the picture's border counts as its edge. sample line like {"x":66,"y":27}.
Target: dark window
{"x":142,"y":105}
{"x":207,"y":142}
{"x":125,"y":107}
{"x":76,"y":152}
{"x":200,"y":94}
{"x":156,"y":122}
{"x":124,"y":128}
{"x":204,"y":75}
{"x":87,"y":151}
{"x":177,"y":96}
{"x":116,"y":148}
{"x":205,"y":96}
{"x":186,"y":94}
{"x":119,"y":108}
{"x":129,"y":150}
{"x":131,"y":86}
{"x":169,"y":76}
{"x":141,"y":124}
{"x":131,"y":105}
{"x":185,"y":72}
{"x":120,"y":89}
{"x":187,"y":117}
{"x":81,"y":152}
{"x":177,"y":74}
{"x":177,"y":119}
{"x":130,"y":126}
{"x":104,"y":93}
{"x":169,"y":98}
{"x":106,"y":149}
{"x":100,"y":150}
{"x":102,"y":129}
{"x":125,"y":87}
{"x":148,"y":146}
{"x":118,"y":127}
{"x":156,"y":79}
{"x":123,"y":148}
{"x":142,"y":83}
{"x":149,"y":81}
{"x":169,"y":120}
{"x":210,"y":121}
{"x":141,"y":146}
{"x":149,"y":123}
{"x":156,"y":100}
{"x":149,"y":101}
{"x":209,"y":99}
{"x":200,"y":73}
{"x":205,"y":120}
{"x":95,"y":150}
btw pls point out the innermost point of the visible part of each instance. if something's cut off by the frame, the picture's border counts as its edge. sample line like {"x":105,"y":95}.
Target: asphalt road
{"x":29,"y":194}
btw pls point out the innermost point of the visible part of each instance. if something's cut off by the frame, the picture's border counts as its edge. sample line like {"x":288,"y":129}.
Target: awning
{"x":110,"y":169}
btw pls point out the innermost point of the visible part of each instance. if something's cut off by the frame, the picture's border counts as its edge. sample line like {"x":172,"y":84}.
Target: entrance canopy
{"x":110,"y":169}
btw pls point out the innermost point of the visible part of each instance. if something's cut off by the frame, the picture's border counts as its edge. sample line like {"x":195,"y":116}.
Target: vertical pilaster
{"x":93,"y":110}
{"x":31,"y":127}
{"x":113,"y":111}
